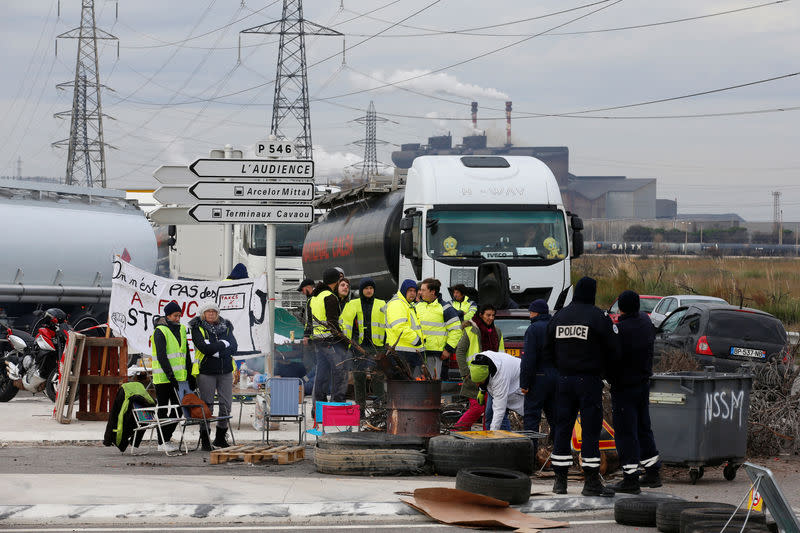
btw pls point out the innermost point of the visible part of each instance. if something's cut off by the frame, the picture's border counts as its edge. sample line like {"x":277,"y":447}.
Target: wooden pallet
{"x":255,"y":454}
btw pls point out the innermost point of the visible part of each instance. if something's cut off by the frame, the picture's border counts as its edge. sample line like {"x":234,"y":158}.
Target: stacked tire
{"x":449,"y":454}
{"x":376,"y":454}
{"x":511,"y":486}
{"x":638,"y":511}
{"x":705,"y":519}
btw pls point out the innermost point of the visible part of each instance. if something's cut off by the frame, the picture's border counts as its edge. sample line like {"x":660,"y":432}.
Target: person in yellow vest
{"x":363,"y":321}
{"x":461,"y":302}
{"x":441,"y":327}
{"x":326,"y":337}
{"x":214,"y":366}
{"x":171,"y":363}
{"x":402,"y":326}
{"x":480,"y":335}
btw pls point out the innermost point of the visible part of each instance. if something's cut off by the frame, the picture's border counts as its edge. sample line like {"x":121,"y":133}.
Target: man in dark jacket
{"x":538,"y":378}
{"x":328,"y":340}
{"x":630,"y":397}
{"x":582,"y":341}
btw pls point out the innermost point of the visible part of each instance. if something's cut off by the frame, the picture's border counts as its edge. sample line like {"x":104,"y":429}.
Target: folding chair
{"x":147,"y":418}
{"x":285,"y":400}
{"x":335,"y":414}
{"x":188,"y":420}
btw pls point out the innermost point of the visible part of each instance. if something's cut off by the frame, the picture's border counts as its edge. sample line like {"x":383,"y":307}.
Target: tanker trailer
{"x":453,"y":217}
{"x":59,"y":243}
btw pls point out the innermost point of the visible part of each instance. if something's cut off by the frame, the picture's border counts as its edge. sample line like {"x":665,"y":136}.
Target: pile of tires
{"x":511,"y":486}
{"x":638,"y":511}
{"x":449,"y":454}
{"x":368,"y":453}
{"x":668,"y":514}
{"x":705,"y":519}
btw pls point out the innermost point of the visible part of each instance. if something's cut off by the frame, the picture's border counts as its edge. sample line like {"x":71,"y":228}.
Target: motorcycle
{"x":31,"y":363}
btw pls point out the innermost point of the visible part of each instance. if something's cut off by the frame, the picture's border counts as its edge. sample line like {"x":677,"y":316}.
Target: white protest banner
{"x":138,"y":297}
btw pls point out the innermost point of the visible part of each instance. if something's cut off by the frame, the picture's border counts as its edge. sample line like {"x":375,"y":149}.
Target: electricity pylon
{"x":369,"y":167}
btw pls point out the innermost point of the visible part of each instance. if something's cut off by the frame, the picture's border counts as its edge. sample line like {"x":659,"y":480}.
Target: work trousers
{"x":470,"y":416}
{"x":541,"y":397}
{"x":582,"y":394}
{"x":632,"y":431}
{"x":433,"y":360}
{"x":363,"y":365}
{"x":166,"y":394}
{"x":222,"y":386}
{"x":331,"y":370}
{"x":414,"y":360}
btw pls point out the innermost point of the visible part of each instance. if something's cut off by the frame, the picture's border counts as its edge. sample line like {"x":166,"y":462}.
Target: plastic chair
{"x":285,"y":401}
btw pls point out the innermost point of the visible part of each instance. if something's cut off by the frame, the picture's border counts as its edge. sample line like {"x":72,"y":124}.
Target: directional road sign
{"x":253,"y":190}
{"x":252,"y":168}
{"x":171,"y":215}
{"x":253,"y":213}
{"x":174,"y":174}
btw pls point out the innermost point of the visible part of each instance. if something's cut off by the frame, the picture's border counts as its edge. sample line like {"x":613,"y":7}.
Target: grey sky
{"x":710,"y":164}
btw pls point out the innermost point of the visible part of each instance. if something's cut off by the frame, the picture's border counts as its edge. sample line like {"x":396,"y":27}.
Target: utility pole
{"x":19,"y":167}
{"x":776,"y":212}
{"x":369,"y":166}
{"x":291,"y":117}
{"x":86,"y":160}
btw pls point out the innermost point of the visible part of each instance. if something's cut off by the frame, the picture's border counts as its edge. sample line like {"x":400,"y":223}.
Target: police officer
{"x":538,"y":378}
{"x":582,"y":341}
{"x":441,"y":327}
{"x":630,"y":397}
{"x":403,"y":331}
{"x":326,"y":338}
{"x":363,"y":320}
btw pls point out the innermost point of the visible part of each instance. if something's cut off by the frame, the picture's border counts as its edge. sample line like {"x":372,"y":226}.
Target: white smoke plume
{"x":440,"y":83}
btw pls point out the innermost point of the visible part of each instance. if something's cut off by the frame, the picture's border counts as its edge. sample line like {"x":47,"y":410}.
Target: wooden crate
{"x":255,"y":454}
{"x":99,"y":382}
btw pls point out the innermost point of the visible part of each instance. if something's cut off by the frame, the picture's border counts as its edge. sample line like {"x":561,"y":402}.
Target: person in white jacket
{"x":498,"y":373}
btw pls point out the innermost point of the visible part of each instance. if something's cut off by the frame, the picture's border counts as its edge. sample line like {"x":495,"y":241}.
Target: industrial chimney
{"x":508,"y":123}
{"x":475,"y":116}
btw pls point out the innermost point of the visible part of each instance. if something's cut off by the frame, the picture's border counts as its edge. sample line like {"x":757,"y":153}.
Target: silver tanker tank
{"x":363,"y":239}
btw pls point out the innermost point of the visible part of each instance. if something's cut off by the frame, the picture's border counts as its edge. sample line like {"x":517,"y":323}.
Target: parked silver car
{"x":670,"y":303}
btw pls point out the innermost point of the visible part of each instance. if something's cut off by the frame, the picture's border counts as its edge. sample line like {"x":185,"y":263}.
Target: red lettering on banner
{"x":137,"y":298}
{"x":161,"y":304}
{"x":189,"y":309}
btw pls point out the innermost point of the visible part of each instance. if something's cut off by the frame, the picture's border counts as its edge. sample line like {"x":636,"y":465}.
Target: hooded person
{"x":581,"y":340}
{"x":327,"y":339}
{"x":498,"y":373}
{"x":630,"y":397}
{"x":363,"y":321}
{"x":403,"y":331}
{"x":538,"y":375}
{"x":214,"y":365}
{"x":239,"y":272}
{"x":170,"y":363}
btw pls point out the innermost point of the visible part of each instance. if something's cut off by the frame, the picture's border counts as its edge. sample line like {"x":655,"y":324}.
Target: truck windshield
{"x":496,"y":234}
{"x":289,"y":240}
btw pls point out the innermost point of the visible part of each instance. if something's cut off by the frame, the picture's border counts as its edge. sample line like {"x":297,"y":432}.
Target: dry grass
{"x":770,"y":284}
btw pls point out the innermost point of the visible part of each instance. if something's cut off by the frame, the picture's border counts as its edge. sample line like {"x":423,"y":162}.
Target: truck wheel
{"x":7,"y":388}
{"x":376,"y":461}
{"x":500,"y":483}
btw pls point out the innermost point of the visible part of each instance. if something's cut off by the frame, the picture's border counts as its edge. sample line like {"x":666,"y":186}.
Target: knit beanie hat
{"x":366,"y":282}
{"x":330,"y":275}
{"x":628,"y":302}
{"x":210,"y":305}
{"x":172,"y":307}
{"x":238,"y":272}
{"x":539,"y":306}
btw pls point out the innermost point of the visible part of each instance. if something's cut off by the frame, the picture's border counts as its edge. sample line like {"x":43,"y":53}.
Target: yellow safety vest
{"x":437,"y":333}
{"x":475,"y":343}
{"x":319,"y":316}
{"x":176,"y":353}
{"x":465,"y":306}
{"x":199,"y":356}
{"x":402,"y":326}
{"x":353,"y":311}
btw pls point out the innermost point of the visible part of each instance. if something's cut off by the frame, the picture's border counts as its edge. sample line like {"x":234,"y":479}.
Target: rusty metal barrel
{"x":414,"y":407}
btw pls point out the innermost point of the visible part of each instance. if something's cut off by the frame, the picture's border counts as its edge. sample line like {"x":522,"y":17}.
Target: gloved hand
{"x":226,"y":343}
{"x":481,"y":397}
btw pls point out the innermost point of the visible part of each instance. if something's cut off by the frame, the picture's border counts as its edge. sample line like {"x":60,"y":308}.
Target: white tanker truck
{"x":493,"y":223}
{"x":58,"y":242}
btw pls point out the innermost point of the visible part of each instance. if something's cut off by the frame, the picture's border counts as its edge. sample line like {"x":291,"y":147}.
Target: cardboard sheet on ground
{"x":458,"y":507}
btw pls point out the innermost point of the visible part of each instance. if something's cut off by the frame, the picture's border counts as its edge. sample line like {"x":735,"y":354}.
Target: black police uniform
{"x":538,"y":374}
{"x":583,"y":341}
{"x":630,"y":395}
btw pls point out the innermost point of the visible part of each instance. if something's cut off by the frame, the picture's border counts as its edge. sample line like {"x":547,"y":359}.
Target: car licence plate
{"x":513,"y":351}
{"x":748,"y":352}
